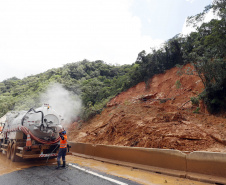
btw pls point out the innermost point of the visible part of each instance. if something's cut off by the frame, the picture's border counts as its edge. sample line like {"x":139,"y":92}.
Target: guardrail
{"x":201,"y":166}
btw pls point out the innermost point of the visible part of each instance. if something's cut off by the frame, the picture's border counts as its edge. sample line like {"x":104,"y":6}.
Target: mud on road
{"x":7,"y":166}
{"x":38,"y":172}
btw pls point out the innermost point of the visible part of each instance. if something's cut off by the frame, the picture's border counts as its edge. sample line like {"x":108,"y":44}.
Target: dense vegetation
{"x":205,"y":49}
{"x":96,"y":82}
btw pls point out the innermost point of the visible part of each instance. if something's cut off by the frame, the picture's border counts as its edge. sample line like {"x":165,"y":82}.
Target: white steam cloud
{"x":67,"y":104}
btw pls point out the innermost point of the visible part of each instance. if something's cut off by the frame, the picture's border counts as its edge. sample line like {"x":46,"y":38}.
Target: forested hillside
{"x":97,"y":82}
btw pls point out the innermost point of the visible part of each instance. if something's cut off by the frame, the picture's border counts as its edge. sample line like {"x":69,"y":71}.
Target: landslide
{"x":156,"y":115}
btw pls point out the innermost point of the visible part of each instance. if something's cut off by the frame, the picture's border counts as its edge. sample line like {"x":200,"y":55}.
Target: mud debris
{"x":138,"y":118}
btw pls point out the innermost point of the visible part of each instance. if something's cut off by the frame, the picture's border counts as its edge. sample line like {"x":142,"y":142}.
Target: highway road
{"x":71,"y":175}
{"x":80,"y":171}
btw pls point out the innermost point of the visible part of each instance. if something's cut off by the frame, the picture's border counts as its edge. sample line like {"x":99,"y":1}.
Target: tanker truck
{"x":31,"y":134}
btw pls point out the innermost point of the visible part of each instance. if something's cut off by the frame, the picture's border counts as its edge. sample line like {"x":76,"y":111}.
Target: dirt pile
{"x":156,"y":115}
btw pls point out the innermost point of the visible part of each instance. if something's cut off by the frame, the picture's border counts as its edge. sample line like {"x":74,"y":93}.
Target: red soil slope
{"x":156,"y":118}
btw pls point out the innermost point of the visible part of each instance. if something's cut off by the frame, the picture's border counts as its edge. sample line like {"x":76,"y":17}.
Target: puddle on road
{"x":7,"y":166}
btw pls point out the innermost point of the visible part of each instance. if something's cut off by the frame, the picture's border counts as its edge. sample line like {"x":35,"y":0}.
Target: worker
{"x":63,"y":148}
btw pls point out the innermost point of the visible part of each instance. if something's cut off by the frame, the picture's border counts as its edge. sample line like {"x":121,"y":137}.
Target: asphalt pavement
{"x":73,"y":174}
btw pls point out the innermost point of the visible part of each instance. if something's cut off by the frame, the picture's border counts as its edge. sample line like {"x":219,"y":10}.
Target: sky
{"x":37,"y":35}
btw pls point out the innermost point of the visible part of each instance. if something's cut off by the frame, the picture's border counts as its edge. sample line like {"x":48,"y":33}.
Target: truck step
{"x":20,"y":148}
{"x":20,"y":155}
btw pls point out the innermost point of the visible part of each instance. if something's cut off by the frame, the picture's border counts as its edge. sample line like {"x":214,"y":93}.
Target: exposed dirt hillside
{"x":156,"y":117}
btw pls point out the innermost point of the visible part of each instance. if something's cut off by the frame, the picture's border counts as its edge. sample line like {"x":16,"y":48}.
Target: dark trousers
{"x":62,"y":153}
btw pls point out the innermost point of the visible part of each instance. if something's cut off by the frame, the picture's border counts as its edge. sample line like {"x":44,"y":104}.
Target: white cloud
{"x":37,"y":35}
{"x":191,"y":1}
{"x":188,"y":29}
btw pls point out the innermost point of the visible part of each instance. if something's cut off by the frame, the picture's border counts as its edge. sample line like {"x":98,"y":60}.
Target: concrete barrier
{"x":170,"y":159}
{"x":208,"y":163}
{"x":82,"y":148}
{"x":203,"y":166}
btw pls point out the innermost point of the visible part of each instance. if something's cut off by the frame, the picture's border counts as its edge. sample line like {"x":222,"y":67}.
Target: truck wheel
{"x":14,"y":157}
{"x":3,"y":142}
{"x":9,"y":150}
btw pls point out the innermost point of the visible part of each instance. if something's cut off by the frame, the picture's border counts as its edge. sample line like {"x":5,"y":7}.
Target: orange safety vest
{"x":63,"y":143}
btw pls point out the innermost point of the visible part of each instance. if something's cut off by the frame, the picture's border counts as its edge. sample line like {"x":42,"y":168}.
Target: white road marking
{"x":98,"y":175}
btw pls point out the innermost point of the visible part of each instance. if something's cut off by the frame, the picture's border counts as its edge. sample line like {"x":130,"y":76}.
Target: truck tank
{"x":43,"y":122}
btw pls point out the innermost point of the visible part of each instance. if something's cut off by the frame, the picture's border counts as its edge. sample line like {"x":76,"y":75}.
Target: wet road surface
{"x":48,"y":175}
{"x":38,"y":172}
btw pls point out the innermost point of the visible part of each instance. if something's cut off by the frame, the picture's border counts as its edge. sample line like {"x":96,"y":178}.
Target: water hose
{"x":26,"y":131}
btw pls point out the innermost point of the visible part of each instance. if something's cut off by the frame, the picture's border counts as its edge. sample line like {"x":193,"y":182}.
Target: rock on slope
{"x":156,"y":117}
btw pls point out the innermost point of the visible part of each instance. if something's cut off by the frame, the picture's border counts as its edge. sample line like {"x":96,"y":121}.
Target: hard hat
{"x":62,"y":131}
